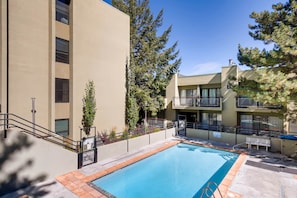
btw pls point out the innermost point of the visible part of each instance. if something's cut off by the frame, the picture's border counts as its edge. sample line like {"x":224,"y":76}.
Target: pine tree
{"x":152,"y":64}
{"x":275,"y":80}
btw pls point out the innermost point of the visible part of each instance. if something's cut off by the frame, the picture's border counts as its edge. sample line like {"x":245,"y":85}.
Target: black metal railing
{"x":8,"y":121}
{"x":242,"y":102}
{"x":259,"y":132}
{"x":197,"y":101}
{"x":237,"y":129}
{"x":154,"y":125}
{"x":197,"y":125}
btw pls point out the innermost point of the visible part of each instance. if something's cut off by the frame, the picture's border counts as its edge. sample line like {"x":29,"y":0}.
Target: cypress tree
{"x":89,"y":107}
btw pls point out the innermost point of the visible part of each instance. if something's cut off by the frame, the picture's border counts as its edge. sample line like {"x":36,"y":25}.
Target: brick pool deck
{"x":77,"y":182}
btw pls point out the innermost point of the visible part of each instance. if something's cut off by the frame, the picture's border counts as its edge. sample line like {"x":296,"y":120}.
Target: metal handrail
{"x":207,"y":189}
{"x":11,"y":120}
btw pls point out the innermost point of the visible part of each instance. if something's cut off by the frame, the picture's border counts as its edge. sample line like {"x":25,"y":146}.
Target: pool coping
{"x":79,"y":184}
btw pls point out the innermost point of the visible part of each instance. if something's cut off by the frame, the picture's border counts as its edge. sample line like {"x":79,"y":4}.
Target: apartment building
{"x":50,"y":49}
{"x":207,"y":102}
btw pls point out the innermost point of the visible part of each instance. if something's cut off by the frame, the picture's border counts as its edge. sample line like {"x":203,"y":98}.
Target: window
{"x":62,"y":127}
{"x":244,"y":101}
{"x":275,"y":123}
{"x":253,"y":123}
{"x":62,"y":51}
{"x":211,"y":120}
{"x":62,"y":11}
{"x":188,"y":97}
{"x":191,"y":92}
{"x":210,"y":97}
{"x":62,"y":90}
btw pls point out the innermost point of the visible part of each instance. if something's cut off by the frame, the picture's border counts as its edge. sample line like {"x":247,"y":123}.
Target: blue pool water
{"x":180,"y":171}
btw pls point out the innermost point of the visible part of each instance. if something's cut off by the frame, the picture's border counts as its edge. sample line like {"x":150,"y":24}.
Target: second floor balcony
{"x":196,"y":102}
{"x":244,"y":102}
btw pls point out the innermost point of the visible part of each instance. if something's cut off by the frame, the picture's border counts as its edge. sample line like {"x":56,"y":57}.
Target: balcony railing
{"x":238,"y":130}
{"x":247,"y":102}
{"x":259,"y":132}
{"x":197,"y":125}
{"x":196,"y":102}
{"x":62,"y":12}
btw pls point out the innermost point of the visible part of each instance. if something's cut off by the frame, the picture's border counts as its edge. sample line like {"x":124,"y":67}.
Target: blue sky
{"x":209,"y":31}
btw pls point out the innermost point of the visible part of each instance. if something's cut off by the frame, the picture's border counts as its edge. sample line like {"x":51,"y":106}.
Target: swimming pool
{"x":180,"y":171}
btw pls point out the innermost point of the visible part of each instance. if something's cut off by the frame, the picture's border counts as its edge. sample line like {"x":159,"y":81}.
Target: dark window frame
{"x":62,"y":90}
{"x":62,"y":50}
{"x":210,"y":101}
{"x":62,"y":11}
{"x":259,"y":122}
{"x":212,"y":120}
{"x":63,"y":133}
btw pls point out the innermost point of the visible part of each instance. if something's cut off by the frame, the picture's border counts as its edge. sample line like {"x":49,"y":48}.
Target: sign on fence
{"x":182,"y":119}
{"x":88,"y":154}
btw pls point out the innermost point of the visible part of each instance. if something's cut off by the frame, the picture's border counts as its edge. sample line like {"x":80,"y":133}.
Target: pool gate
{"x":181,"y":124}
{"x":88,"y":153}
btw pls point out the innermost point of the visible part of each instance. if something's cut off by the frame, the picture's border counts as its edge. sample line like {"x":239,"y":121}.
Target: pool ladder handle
{"x":208,"y":189}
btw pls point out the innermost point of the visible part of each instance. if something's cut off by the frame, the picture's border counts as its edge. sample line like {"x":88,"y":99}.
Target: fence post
{"x":79,"y":159}
{"x":235,"y":136}
{"x":5,"y":125}
{"x":33,"y":114}
{"x":127,"y":142}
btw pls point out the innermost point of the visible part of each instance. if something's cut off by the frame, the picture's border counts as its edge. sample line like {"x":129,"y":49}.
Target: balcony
{"x":259,"y":132}
{"x":196,"y":102}
{"x":62,"y":12}
{"x":243,"y":102}
{"x":196,"y":125}
{"x":268,"y":132}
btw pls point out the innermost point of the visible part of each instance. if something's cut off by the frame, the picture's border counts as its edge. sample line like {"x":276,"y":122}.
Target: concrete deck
{"x":255,"y":174}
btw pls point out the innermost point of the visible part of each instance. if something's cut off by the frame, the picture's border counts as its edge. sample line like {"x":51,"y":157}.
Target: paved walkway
{"x":255,"y":174}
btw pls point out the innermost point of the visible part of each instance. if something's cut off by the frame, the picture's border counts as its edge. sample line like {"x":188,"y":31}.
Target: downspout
{"x":7,"y":68}
{"x":7,"y":56}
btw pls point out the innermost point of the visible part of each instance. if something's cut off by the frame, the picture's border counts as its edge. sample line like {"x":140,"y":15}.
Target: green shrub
{"x":157,"y":129}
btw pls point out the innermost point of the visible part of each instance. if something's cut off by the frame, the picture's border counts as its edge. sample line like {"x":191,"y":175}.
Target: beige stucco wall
{"x":100,"y":49}
{"x":133,"y":144}
{"x":29,"y":59}
{"x":200,"y":80}
{"x":62,"y":70}
{"x":35,"y":158}
{"x":171,"y":93}
{"x":283,"y":146}
{"x":289,"y":147}
{"x":62,"y":30}
{"x":229,"y":115}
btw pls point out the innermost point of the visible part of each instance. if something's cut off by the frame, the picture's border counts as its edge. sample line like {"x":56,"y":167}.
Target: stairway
{"x":12,"y":121}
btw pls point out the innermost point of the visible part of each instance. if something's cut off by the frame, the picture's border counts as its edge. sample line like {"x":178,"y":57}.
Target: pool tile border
{"x":227,"y":181}
{"x":78,"y":183}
